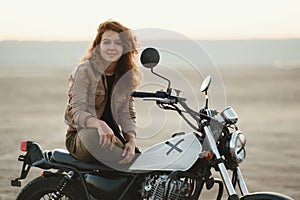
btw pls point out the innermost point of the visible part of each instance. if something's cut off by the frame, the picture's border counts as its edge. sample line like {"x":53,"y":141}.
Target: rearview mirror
{"x":150,"y":57}
{"x":205,"y":84}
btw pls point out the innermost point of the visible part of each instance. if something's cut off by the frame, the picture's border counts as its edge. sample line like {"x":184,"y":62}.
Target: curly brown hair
{"x":127,"y":60}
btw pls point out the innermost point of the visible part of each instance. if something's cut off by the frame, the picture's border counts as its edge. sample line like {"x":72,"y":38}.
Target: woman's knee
{"x":88,"y":135}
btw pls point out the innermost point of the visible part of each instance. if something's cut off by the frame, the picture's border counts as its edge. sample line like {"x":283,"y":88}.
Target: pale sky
{"x":197,"y":19}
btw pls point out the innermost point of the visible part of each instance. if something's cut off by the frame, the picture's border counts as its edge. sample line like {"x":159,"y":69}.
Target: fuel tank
{"x":177,"y":153}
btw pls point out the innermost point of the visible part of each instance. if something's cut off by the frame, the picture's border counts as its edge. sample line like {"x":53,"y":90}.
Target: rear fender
{"x":34,"y":154}
{"x":33,"y":157}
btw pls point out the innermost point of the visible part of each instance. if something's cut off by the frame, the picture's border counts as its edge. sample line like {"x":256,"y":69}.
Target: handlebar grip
{"x":142,"y":94}
{"x":158,"y":94}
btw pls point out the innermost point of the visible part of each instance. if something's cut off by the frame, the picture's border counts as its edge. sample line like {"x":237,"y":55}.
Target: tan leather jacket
{"x":87,"y":98}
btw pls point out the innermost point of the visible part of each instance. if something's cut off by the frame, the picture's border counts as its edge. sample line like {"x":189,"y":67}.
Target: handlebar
{"x":162,"y":97}
{"x":158,"y":94}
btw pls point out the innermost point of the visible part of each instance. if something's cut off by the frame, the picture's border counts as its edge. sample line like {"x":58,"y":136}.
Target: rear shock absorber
{"x":58,"y":193}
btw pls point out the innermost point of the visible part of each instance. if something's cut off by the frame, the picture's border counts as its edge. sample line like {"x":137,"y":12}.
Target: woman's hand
{"x":129,"y":150}
{"x":106,"y":135}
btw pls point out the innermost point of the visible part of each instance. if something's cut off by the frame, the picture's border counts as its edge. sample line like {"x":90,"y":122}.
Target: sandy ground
{"x":266,"y":100}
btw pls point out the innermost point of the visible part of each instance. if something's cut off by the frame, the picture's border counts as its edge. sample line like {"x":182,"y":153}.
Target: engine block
{"x":154,"y":188}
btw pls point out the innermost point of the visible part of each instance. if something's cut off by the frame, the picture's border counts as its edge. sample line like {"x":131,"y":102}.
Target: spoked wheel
{"x":42,"y":189}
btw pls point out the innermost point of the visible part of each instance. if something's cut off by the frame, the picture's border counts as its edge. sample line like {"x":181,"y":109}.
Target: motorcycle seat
{"x":62,"y":156}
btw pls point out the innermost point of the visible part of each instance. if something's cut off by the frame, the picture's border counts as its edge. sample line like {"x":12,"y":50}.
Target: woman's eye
{"x":119,"y":43}
{"x":106,"y":42}
{"x":116,"y":43}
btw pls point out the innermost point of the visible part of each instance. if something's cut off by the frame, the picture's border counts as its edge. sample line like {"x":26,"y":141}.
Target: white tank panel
{"x":177,"y":153}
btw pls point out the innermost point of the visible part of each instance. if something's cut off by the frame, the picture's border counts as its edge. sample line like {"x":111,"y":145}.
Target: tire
{"x":265,"y":196}
{"x":42,"y":188}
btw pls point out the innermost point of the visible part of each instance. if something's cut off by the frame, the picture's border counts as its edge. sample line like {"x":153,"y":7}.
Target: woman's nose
{"x":112,"y":46}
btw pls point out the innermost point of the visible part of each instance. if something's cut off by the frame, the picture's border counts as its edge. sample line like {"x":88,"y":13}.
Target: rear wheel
{"x":42,"y":188}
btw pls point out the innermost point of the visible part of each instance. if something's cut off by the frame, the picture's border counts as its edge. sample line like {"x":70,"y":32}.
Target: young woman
{"x":100,"y":113}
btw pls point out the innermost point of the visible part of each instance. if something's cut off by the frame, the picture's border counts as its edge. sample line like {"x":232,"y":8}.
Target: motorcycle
{"x":182,"y":168}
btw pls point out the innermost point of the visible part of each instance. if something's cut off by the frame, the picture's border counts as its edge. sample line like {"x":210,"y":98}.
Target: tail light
{"x":24,"y":146}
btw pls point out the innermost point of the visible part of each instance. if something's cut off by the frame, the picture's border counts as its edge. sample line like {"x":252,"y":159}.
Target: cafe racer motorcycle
{"x":175,"y":169}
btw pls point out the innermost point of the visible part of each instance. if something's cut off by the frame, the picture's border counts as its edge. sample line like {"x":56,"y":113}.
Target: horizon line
{"x":217,"y":39}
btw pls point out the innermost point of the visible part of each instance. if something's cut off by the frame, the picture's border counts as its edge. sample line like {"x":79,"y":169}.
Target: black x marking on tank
{"x":174,"y":146}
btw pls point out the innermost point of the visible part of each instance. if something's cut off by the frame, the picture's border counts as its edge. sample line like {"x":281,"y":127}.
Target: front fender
{"x":265,"y":196}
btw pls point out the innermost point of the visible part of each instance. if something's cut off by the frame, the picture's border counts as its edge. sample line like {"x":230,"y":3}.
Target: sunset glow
{"x":78,"y":20}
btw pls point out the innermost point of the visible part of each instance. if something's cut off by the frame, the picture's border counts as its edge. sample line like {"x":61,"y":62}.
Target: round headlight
{"x":237,"y":145}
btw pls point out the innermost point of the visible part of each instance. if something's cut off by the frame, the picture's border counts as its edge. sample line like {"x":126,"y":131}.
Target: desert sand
{"x":267,"y":101}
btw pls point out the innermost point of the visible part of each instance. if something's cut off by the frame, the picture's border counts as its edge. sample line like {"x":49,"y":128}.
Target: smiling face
{"x":111,"y":46}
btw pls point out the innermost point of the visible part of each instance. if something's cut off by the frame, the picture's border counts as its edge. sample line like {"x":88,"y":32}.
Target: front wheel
{"x":42,"y":188}
{"x":265,"y":196}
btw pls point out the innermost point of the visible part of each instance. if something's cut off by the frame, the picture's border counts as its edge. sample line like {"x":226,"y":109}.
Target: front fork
{"x":220,"y":162}
{"x":241,"y":182}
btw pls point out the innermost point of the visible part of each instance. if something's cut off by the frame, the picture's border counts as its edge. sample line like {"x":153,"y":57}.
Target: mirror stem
{"x":206,"y":100}
{"x":169,"y":82}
